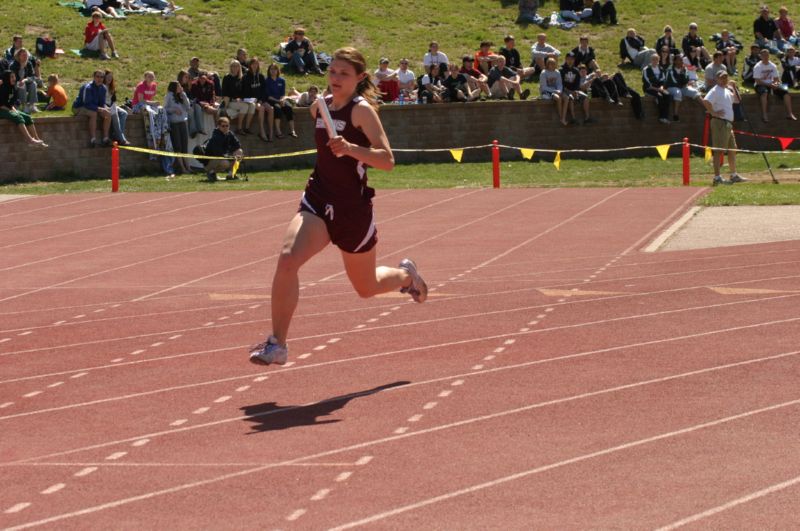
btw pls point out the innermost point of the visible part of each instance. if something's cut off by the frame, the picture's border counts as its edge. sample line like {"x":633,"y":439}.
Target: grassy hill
{"x":214,"y":29}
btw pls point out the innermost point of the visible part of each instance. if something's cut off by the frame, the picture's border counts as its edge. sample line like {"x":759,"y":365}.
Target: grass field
{"x":214,"y":29}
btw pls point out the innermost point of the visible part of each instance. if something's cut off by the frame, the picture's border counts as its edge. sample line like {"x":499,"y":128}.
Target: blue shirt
{"x":275,"y":88}
{"x":94,"y":96}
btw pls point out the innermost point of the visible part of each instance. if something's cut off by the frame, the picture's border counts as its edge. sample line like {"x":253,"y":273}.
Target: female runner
{"x":336,"y":206}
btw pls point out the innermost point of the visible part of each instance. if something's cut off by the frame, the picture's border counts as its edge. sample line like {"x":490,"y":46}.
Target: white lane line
{"x":5,"y":339}
{"x":157,"y":344}
{"x":457,"y":383}
{"x":490,"y":357}
{"x":260,"y":378}
{"x":509,"y":341}
{"x":200,"y":410}
{"x":79,"y":375}
{"x":140,"y":442}
{"x":559,"y":464}
{"x":222,"y":399}
{"x":26,"y":333}
{"x":343,"y":477}
{"x":100,"y":310}
{"x":384,"y":440}
{"x":242,"y":389}
{"x":295,"y":515}
{"x":731,"y":504}
{"x":533,"y":323}
{"x":334,"y":340}
{"x":373,"y":320}
{"x":176,"y":336}
{"x":401,"y":429}
{"x":320,"y":494}
{"x":117,"y":360}
{"x":394,"y":308}
{"x":223,"y":318}
{"x":32,"y":394}
{"x":430,"y":405}
{"x":17,"y":508}
{"x":137,"y":352}
{"x":415,"y":418}
{"x":81,"y":316}
{"x":498,"y":350}
{"x":364,"y":460}
{"x":53,"y":488}
{"x":116,"y":305}
{"x":254,"y":306}
{"x":320,"y":347}
{"x":85,"y":472}
{"x":116,"y":455}
{"x":304,"y":356}
{"x":55,"y":384}
{"x":6,"y":404}
{"x":384,"y":314}
{"x":239,"y":312}
{"x":356,"y":327}
{"x":541,"y":316}
{"x":445,"y":393}
{"x":477,"y":367}
{"x":178,"y":422}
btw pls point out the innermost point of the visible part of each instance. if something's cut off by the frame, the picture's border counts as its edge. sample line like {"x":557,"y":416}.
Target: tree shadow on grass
{"x":270,"y":416}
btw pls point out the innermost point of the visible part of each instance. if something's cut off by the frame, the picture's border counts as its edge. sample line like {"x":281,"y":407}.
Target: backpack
{"x":45,"y":47}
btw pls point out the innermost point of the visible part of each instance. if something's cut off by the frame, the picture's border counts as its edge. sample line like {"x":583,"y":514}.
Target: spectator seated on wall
{"x":96,"y":37}
{"x":233,"y":99}
{"x":9,"y":112}
{"x":571,"y":81}
{"x":551,"y":88}
{"x":791,"y":68}
{"x":504,"y":82}
{"x":387,"y":81}
{"x":91,"y":102}
{"x":476,"y":79}
{"x":749,"y":63}
{"x":654,"y":84}
{"x":678,"y":85}
{"x":768,"y":81}
{"x":407,"y":81}
{"x":203,"y":95}
{"x":275,"y":95}
{"x":119,"y":114}
{"x":431,"y":88}
{"x":457,"y":88}
{"x":145,"y":92}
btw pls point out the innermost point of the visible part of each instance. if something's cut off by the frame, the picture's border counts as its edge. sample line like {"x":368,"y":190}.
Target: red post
{"x":686,"y":175}
{"x":706,"y":127}
{"x":495,"y":164}
{"x":114,"y":168}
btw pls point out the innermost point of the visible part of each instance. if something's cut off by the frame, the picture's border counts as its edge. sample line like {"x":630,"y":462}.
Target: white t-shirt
{"x":405,"y":77}
{"x":766,"y":72}
{"x":437,"y":58}
{"x":721,"y":100}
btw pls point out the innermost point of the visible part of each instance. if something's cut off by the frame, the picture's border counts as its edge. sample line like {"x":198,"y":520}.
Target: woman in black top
{"x":654,"y":83}
{"x":9,"y":112}
{"x":233,"y":98}
{"x":253,"y":87}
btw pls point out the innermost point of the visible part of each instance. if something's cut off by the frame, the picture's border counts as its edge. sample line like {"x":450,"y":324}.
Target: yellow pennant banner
{"x":235,"y":168}
{"x":709,"y":154}
{"x":557,"y":160}
{"x":663,"y":150}
{"x":526,"y":153}
{"x":457,"y":153}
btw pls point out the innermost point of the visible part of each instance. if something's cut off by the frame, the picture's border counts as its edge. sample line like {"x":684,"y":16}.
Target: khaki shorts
{"x":722,"y":134}
{"x":235,"y":108}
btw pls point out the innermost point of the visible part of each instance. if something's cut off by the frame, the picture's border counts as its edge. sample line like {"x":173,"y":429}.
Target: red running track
{"x":558,"y":377}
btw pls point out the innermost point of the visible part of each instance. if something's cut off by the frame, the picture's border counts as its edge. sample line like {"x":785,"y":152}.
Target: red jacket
{"x":91,"y":32}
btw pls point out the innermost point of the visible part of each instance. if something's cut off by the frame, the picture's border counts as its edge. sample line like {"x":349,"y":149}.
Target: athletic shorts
{"x":18,"y":117}
{"x":722,"y":134}
{"x":778,"y":91}
{"x":350,"y":227}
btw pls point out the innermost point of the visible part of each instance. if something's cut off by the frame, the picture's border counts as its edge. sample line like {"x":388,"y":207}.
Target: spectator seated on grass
{"x":571,"y":83}
{"x":9,"y":112}
{"x":713,"y":69}
{"x":749,"y":63}
{"x":768,"y":81}
{"x":301,"y":54}
{"x":542,"y":51}
{"x":106,"y":8}
{"x":387,"y":81}
{"x":26,"y":70}
{"x":223,"y":143}
{"x":204,"y":97}
{"x":431,"y":87}
{"x":678,"y":85}
{"x":504,"y":82}
{"x":731,"y":48}
{"x":786,"y":27}
{"x":476,"y":79}
{"x":528,"y":14}
{"x":791,"y":68}
{"x":632,"y":48}
{"x":16,"y":44}
{"x":551,"y":88}
{"x":144,"y":93}
{"x":275,"y":95}
{"x":119,"y":114}
{"x":457,"y":88}
{"x":56,"y":95}
{"x":654,"y":84}
{"x":91,"y":102}
{"x":96,"y":37}
{"x":233,"y":99}
{"x":766,"y":32}
{"x":693,"y":41}
{"x":254,"y":84}
{"x":584,"y":54}
{"x":668,"y":40}
{"x":407,"y":81}
{"x":574,"y":10}
{"x":434,"y":57}
{"x":513,"y":59}
{"x":484,"y":57}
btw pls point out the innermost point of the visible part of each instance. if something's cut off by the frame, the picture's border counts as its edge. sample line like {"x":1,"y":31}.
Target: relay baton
{"x":325,"y":114}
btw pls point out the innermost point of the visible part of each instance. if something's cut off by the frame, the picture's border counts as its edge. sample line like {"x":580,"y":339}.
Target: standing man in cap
{"x":719,"y":104}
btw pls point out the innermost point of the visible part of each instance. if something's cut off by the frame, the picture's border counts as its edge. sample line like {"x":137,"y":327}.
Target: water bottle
{"x":401,"y":98}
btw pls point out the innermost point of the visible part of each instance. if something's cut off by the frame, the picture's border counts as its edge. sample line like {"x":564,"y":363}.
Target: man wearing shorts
{"x":719,"y":104}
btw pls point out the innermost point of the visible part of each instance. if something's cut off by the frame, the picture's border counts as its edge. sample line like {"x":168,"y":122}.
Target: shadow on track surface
{"x":270,"y":416}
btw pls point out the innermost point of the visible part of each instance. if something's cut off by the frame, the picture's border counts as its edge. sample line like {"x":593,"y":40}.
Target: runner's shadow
{"x":270,"y":416}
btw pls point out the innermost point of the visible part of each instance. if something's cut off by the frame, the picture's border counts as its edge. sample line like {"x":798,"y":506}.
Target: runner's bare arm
{"x":379,"y":154}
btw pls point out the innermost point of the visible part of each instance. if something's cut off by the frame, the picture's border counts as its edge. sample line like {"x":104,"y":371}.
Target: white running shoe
{"x":418,"y":289}
{"x":269,"y":352}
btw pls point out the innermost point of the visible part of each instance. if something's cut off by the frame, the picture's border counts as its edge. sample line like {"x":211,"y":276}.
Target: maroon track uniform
{"x":337,"y":190}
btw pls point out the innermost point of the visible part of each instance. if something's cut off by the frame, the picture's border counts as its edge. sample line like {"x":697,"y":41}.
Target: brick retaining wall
{"x":526,"y":124}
